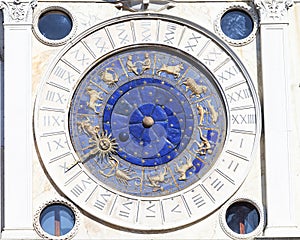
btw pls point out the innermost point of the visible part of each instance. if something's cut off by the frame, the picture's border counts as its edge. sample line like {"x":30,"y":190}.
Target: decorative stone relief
{"x":272,"y":10}
{"x":16,"y":12}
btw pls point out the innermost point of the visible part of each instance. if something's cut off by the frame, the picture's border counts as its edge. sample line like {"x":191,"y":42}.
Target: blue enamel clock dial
{"x":148,"y":121}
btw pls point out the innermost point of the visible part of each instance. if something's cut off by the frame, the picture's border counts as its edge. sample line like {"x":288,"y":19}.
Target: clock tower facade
{"x":150,"y":120}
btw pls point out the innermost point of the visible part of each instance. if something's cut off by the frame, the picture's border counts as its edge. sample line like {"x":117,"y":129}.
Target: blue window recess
{"x":57,"y":220}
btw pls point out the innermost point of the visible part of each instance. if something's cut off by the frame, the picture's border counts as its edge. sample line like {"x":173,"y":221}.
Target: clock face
{"x":147,"y":122}
{"x":148,"y":113}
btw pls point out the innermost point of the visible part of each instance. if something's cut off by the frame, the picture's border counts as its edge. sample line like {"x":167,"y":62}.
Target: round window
{"x":237,"y":24}
{"x":57,"y":219}
{"x":242,"y":217}
{"x":55,"y":25}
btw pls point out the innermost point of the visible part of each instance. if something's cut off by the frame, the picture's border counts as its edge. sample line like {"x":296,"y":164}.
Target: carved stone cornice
{"x":17,"y":12}
{"x":273,"y":11}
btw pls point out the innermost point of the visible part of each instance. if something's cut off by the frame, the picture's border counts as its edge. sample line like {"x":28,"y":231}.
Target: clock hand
{"x":75,"y":163}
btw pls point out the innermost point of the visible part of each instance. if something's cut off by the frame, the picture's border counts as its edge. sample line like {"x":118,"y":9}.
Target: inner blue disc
{"x":151,"y":120}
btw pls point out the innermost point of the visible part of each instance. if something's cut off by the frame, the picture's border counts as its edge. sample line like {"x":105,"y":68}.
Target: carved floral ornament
{"x":273,"y":10}
{"x":17,"y":11}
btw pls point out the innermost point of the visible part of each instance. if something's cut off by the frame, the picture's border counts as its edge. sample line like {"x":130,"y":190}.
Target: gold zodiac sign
{"x":88,"y":129}
{"x":195,"y":88}
{"x":109,"y":76}
{"x":184,"y":168}
{"x":146,"y":64}
{"x":174,"y":70}
{"x":157,"y":179}
{"x":94,"y":97}
{"x":201,"y":113}
{"x":102,"y":144}
{"x":122,"y":176}
{"x":203,"y":147}
{"x":213,"y":113}
{"x":131,"y":66}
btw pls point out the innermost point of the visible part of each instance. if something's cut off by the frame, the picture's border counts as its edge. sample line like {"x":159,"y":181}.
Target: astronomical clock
{"x":146,"y":123}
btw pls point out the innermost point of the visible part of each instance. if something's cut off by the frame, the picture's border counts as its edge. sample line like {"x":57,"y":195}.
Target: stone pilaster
{"x":18,"y":120}
{"x":275,"y":80}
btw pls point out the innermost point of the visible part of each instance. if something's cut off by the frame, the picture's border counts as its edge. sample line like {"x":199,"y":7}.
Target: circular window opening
{"x":237,"y":24}
{"x":55,"y":25}
{"x":57,"y":220}
{"x":242,"y":217}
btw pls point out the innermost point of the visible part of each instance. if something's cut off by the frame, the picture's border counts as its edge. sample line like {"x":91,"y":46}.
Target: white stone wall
{"x":31,"y":184}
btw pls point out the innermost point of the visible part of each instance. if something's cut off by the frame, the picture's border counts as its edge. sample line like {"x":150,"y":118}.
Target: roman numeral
{"x":122,"y":34}
{"x":150,"y":211}
{"x":55,"y":97}
{"x":217,"y":184}
{"x":243,"y":119}
{"x":79,"y":188}
{"x":64,"y":74}
{"x":146,"y":31}
{"x":238,"y":95}
{"x":80,"y":57}
{"x":56,"y":144}
{"x":175,"y":209}
{"x":170,"y":34}
{"x":211,"y":56}
{"x":101,"y":45}
{"x":233,"y":166}
{"x":228,"y":73}
{"x":101,"y":203}
{"x":64,"y":167}
{"x":125,"y":212}
{"x":192,"y":42}
{"x":52,"y":121}
{"x":198,"y":200}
